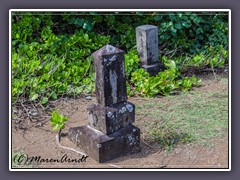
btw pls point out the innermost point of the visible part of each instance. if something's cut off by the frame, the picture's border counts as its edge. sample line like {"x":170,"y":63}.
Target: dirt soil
{"x":40,"y":141}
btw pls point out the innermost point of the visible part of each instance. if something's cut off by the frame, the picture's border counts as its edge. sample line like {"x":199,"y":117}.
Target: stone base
{"x":153,"y":70}
{"x":109,"y":119}
{"x":103,"y":147}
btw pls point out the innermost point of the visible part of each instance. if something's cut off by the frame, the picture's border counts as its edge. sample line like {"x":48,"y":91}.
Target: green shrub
{"x":131,"y":61}
{"x":58,"y":65}
{"x":51,"y":53}
{"x":164,"y":83}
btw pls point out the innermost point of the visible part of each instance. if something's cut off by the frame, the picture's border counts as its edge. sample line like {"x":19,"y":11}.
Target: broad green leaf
{"x":88,"y":25}
{"x":34,"y":97}
{"x":185,"y":17}
{"x":173,"y":30}
{"x":185,"y":24}
{"x":158,"y":17}
{"x":54,"y":96}
{"x":30,"y":54}
{"x":86,"y":37}
{"x":201,"y":37}
{"x":56,"y":127}
{"x":79,"y":22}
{"x":44,"y":100}
{"x":178,"y":26}
{"x":170,"y":64}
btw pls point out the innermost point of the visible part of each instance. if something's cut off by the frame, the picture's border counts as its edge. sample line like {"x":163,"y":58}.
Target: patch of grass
{"x":193,"y":116}
{"x":167,"y":136}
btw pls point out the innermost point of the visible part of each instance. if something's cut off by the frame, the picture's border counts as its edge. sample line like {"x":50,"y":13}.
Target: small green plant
{"x":58,"y":122}
{"x":186,"y":83}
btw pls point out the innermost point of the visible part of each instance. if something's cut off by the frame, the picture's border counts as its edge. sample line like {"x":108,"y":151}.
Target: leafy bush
{"x":164,"y":83}
{"x":191,"y":31}
{"x":51,"y":53}
{"x":54,"y":66}
{"x":131,"y":61}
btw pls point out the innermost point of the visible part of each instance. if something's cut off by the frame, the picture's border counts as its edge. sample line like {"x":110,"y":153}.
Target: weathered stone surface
{"x":110,"y":77}
{"x":154,"y":69}
{"x":108,"y":119}
{"x":109,"y":134}
{"x":147,"y":44}
{"x":103,"y":147}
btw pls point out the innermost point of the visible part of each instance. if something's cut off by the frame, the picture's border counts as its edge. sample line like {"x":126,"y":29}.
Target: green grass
{"x":194,"y":116}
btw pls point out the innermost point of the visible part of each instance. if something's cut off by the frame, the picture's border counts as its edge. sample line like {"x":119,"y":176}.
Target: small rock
{"x":89,"y":98}
{"x":32,"y":112}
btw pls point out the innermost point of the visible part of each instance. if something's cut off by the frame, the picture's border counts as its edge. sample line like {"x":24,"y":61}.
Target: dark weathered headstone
{"x":147,"y":46}
{"x":109,"y":75}
{"x":110,"y":133}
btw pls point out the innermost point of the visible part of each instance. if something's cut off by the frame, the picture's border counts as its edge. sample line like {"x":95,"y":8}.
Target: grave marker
{"x":109,"y":75}
{"x":147,"y":46}
{"x":110,"y":133}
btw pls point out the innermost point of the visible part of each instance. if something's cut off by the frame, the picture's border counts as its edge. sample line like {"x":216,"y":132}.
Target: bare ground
{"x":40,"y":141}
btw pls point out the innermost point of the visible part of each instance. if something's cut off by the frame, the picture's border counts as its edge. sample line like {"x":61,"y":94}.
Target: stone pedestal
{"x":108,"y":119}
{"x":110,"y":133}
{"x":102,"y":147}
{"x":147,"y":46}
